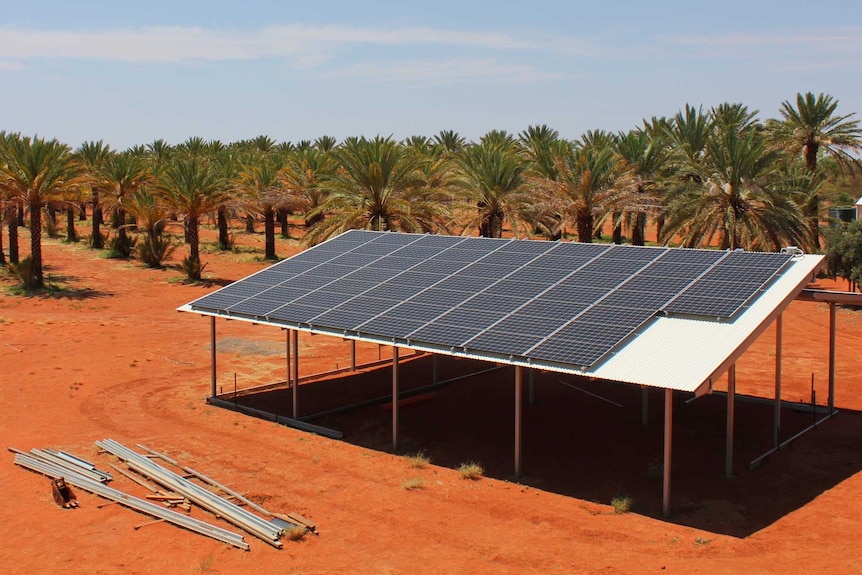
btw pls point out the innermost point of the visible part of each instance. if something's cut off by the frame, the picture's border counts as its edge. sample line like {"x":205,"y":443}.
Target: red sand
{"x":111,"y":358}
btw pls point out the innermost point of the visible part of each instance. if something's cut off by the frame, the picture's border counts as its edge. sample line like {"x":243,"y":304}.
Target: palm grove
{"x":717,"y":177}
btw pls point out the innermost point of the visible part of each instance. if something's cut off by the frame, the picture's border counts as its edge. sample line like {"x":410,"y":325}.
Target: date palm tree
{"x":374,"y":188}
{"x":92,"y":155}
{"x":119,"y":176}
{"x":583,"y":190}
{"x":260,"y":188}
{"x":809,"y":129}
{"x":35,"y":171}
{"x":192,"y":185}
{"x":736,"y":197}
{"x":301,"y":178}
{"x":491,"y":179}
{"x":644,"y":164}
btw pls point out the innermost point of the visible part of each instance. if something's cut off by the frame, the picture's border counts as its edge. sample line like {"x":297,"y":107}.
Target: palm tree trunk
{"x":52,"y":221}
{"x":269,"y":233}
{"x":82,"y":211}
{"x":20,"y":219}
{"x":618,"y":228}
{"x":282,"y":220}
{"x":71,"y":233}
{"x":120,"y":224}
{"x":97,"y":240}
{"x":585,"y":227}
{"x":221,"y":219}
{"x":192,"y":234}
{"x":36,"y":245}
{"x":249,"y":223}
{"x":639,"y":229}
{"x":2,"y":219}
{"x":12,"y":227}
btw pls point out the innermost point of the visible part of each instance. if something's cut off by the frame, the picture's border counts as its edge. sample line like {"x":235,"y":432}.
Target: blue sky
{"x":132,"y":72}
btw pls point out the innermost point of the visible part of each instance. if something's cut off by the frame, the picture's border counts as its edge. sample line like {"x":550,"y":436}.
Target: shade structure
{"x":661,"y":317}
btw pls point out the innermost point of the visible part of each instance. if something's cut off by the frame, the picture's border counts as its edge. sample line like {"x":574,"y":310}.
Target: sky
{"x":129,"y":73}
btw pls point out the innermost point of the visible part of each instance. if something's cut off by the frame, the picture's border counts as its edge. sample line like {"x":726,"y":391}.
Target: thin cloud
{"x":442,"y":71}
{"x":305,"y":46}
{"x":848,"y":38}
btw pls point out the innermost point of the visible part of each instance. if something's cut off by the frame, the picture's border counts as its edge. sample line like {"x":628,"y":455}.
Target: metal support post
{"x":831,"y":399}
{"x":394,"y":399}
{"x":731,"y":404}
{"x":519,"y":392}
{"x":352,"y":355}
{"x":295,"y":387}
{"x":531,"y":391}
{"x":435,"y":374}
{"x":213,"y":355}
{"x":776,"y":424}
{"x":668,"y":437}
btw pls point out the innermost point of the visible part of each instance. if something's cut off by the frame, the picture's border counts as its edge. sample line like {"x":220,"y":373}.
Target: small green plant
{"x":414,"y":483}
{"x":153,"y":251}
{"x":295,"y":533}
{"x":621,"y":504}
{"x":702,"y":541}
{"x":193,"y":268}
{"x":418,"y":460}
{"x":470,"y":470}
{"x":121,"y":246}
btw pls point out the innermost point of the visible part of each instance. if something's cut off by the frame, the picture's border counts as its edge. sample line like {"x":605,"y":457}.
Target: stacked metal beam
{"x":86,"y":483}
{"x":245,"y":520}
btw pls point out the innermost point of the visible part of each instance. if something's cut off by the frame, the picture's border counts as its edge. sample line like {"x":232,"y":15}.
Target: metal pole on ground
{"x":831,"y":401}
{"x":287,"y":356}
{"x":776,"y":425}
{"x":394,"y":399}
{"x":668,"y":437}
{"x":295,"y":387}
{"x":213,"y":354}
{"x":352,"y":355}
{"x":731,"y":404}
{"x":519,"y":389}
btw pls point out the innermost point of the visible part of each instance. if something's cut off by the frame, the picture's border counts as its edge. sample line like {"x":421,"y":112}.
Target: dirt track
{"x":110,"y":357}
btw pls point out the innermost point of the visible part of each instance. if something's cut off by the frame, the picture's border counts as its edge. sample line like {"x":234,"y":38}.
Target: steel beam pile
{"x":86,"y":483}
{"x":245,"y":520}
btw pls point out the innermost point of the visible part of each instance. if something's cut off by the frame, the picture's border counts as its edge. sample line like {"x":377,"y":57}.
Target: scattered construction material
{"x":63,"y":494}
{"x":220,"y":507}
{"x":98,"y":488}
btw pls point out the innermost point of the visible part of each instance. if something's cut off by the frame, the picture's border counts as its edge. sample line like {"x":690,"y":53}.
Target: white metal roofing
{"x":679,"y":353}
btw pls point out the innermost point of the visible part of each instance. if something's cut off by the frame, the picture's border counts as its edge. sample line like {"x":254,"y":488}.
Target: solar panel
{"x":555,"y":302}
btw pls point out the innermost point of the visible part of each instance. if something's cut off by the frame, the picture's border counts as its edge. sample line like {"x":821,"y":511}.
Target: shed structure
{"x":665,"y":318}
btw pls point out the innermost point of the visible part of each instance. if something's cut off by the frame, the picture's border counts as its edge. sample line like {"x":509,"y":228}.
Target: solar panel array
{"x":564,"y":303}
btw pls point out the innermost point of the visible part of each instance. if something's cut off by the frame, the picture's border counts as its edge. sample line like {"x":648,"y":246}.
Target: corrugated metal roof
{"x":683,"y":354}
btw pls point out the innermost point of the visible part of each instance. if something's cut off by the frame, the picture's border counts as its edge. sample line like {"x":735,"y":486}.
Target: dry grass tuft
{"x":414,"y":483}
{"x":418,"y":460}
{"x":295,"y":533}
{"x":470,"y":470}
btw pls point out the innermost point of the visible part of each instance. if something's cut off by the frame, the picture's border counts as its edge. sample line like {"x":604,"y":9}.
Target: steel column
{"x":295,"y":387}
{"x":352,"y":355}
{"x":532,"y":390}
{"x":394,"y":399}
{"x":668,"y":437}
{"x":831,"y":401}
{"x":519,"y":392}
{"x":731,"y":405}
{"x":287,"y":357}
{"x":776,"y":424}
{"x":213,"y":354}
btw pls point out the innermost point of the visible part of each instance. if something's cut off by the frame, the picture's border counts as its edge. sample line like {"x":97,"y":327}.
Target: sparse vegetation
{"x":621,"y":504}
{"x":418,"y":460}
{"x":414,"y":483}
{"x":471,"y":470}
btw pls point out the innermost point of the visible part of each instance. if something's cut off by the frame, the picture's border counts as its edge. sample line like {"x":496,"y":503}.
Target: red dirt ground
{"x":109,"y":357}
